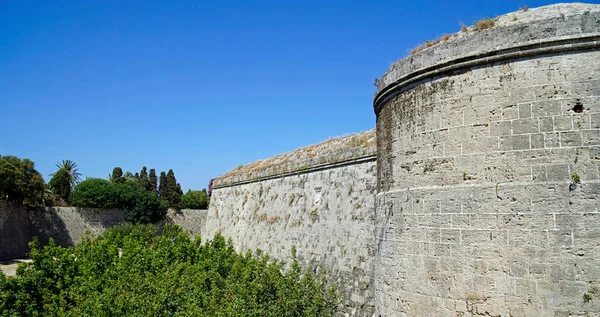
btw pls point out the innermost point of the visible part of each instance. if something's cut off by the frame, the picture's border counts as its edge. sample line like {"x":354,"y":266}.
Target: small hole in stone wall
{"x":578,"y":108}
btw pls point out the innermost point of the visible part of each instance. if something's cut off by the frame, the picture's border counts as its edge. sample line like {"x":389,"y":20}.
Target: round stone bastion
{"x":488,"y":170}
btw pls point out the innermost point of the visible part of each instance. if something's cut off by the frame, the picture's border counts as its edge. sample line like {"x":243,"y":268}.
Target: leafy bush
{"x":195,"y":199}
{"x":131,"y":271}
{"x":141,"y":205}
{"x":97,"y":193}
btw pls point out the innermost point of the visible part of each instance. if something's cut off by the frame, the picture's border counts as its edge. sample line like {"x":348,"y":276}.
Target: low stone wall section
{"x":68,"y":225}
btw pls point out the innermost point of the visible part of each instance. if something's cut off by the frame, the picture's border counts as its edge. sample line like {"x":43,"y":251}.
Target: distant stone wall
{"x":488,"y":171}
{"x":325,"y":211}
{"x":68,"y":225}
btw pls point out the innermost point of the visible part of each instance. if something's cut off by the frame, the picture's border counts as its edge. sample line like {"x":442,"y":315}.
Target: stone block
{"x":537,"y":141}
{"x":516,"y":142}
{"x":523,"y":126}
{"x":525,"y":110}
{"x":570,"y":139}
{"x":547,"y":108}
{"x":501,"y":128}
{"x":450,"y":236}
{"x":558,"y":172}
{"x":590,"y":137}
{"x":563,"y":123}
{"x":546,"y":124}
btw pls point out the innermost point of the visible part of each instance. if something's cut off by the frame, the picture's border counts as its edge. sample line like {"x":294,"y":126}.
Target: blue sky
{"x":200,"y":86}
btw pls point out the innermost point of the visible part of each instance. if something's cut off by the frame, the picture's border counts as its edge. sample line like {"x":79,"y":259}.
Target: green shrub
{"x":131,"y":271}
{"x":195,"y":199}
{"x":141,"y":205}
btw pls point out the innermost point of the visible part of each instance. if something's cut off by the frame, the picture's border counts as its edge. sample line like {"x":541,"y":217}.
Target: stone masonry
{"x":319,"y":199}
{"x":488,"y":171}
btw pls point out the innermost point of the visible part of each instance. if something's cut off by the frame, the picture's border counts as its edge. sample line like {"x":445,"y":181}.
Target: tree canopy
{"x":21,"y":182}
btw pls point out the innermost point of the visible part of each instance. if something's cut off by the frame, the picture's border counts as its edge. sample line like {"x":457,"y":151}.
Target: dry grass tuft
{"x":484,"y":24}
{"x":417,"y":49}
{"x":428,"y":44}
{"x":524,"y":8}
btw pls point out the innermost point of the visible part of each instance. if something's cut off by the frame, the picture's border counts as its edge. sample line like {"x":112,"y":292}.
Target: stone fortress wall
{"x":319,"y":199}
{"x":480,"y":197}
{"x":488,"y":171}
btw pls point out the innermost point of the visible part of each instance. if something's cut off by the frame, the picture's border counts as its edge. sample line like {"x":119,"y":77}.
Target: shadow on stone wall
{"x":68,"y":225}
{"x":65,"y":225}
{"x":46,"y":224}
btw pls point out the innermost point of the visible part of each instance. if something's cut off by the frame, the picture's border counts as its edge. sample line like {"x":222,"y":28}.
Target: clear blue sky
{"x":200,"y":86}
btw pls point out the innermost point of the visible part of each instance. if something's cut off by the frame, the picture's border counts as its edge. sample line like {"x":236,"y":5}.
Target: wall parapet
{"x":336,"y":152}
{"x":369,"y":157}
{"x":550,"y":29}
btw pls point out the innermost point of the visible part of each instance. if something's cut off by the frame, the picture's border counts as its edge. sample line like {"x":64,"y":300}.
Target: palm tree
{"x":72,"y":169}
{"x":65,"y":179}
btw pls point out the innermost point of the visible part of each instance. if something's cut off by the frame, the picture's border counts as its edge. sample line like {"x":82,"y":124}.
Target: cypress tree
{"x":176,"y":197}
{"x":153,"y":180}
{"x":172,"y":194}
{"x":162,"y":187}
{"x":143,"y":180}
{"x":117,"y":175}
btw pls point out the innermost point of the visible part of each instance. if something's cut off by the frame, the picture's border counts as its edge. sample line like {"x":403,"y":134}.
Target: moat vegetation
{"x":139,"y":270}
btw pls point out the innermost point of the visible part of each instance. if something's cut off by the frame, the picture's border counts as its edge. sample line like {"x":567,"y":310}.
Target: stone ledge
{"x":335,"y":152}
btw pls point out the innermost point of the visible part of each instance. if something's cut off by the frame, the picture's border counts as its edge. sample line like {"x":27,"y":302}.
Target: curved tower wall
{"x":488,"y":171}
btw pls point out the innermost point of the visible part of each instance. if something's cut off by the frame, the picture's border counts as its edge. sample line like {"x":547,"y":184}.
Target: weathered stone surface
{"x":495,"y":224}
{"x":327,"y":214}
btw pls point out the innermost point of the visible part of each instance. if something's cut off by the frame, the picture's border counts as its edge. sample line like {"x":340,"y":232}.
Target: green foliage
{"x":195,"y":199}
{"x":21,"y":182}
{"x":132,"y":271}
{"x":142,"y":206}
{"x":61,"y":185}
